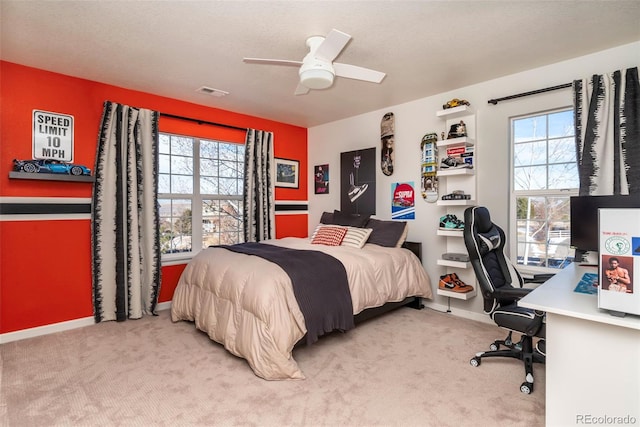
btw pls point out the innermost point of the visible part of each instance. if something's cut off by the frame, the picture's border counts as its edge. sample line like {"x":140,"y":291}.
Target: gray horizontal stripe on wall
{"x":287,"y":207}
{"x":44,"y":208}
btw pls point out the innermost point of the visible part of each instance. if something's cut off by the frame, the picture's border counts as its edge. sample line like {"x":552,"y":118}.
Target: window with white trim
{"x":200,"y":182}
{"x":545,"y":175}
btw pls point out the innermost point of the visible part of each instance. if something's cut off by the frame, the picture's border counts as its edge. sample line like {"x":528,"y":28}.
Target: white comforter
{"x":247,"y":303}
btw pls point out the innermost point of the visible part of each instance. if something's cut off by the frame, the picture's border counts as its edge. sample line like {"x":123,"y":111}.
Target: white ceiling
{"x":172,"y":48}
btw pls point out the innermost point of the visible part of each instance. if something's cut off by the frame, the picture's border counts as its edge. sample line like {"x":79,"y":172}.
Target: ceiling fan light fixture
{"x":315,"y":78}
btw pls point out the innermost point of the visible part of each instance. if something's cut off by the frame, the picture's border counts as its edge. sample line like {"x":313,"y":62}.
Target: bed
{"x":250,"y":304}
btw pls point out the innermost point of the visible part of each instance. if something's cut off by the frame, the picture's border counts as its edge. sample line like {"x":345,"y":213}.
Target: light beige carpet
{"x":406,"y":368}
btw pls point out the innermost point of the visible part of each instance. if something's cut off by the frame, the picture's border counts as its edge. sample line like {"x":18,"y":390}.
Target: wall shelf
{"x":450,"y":233}
{"x":455,"y":264}
{"x":449,"y":113}
{"x":467,"y":295}
{"x":462,"y":179}
{"x":459,"y":171}
{"x":464,"y":141}
{"x":456,"y":202}
{"x":50,"y":177}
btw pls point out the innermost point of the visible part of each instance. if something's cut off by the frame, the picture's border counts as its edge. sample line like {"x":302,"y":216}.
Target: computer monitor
{"x":584,"y":218}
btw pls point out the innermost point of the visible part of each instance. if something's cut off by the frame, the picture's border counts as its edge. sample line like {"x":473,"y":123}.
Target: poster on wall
{"x":52,"y":136}
{"x":321,"y":179}
{"x":619,"y":244}
{"x":358,"y":181}
{"x":403,"y":200}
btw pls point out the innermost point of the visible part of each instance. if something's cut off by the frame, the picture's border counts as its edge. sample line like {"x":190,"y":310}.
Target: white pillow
{"x":356,"y":237}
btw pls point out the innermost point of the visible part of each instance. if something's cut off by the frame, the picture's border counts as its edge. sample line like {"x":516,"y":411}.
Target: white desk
{"x":593,"y":358}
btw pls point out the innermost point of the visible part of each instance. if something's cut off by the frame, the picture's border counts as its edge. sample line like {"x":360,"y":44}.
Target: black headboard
{"x":415,"y":247}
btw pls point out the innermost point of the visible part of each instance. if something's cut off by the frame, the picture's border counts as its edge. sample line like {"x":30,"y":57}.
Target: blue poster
{"x":403,"y":201}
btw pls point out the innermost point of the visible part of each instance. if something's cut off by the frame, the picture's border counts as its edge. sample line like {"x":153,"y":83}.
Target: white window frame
{"x":513,"y":195}
{"x":196,"y":201}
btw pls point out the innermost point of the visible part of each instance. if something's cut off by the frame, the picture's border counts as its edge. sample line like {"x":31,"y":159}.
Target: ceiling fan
{"x":317,"y":69}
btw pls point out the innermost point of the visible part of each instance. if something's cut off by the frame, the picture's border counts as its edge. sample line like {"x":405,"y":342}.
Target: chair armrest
{"x":535,"y":326}
{"x":511,"y":293}
{"x":539,"y":278}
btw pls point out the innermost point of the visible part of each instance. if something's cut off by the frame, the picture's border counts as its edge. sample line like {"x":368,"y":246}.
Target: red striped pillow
{"x":329,"y":235}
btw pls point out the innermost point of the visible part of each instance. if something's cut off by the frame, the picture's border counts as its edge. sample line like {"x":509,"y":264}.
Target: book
{"x":588,"y":284}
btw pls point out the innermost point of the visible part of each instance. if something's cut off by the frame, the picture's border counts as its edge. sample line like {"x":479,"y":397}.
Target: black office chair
{"x":501,"y":287}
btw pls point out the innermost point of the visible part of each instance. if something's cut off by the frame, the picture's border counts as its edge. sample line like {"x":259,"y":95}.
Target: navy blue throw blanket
{"x":319,"y":284}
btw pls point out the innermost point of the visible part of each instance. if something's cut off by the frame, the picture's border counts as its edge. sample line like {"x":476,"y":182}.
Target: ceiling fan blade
{"x":273,"y":62}
{"x":332,"y":45}
{"x":301,"y":90}
{"x":358,"y":73}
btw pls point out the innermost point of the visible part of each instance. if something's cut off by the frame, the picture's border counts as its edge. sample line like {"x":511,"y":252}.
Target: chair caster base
{"x":526,"y":387}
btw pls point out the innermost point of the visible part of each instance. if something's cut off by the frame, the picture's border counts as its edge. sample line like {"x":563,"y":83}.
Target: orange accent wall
{"x":45,"y":266}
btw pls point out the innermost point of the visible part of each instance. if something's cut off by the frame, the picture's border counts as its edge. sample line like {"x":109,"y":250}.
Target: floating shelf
{"x":463,"y":141}
{"x":460,"y":171}
{"x":50,"y":177}
{"x":463,"y":110}
{"x":456,"y":202}
{"x":455,"y":264}
{"x":467,"y":295}
{"x":450,"y":233}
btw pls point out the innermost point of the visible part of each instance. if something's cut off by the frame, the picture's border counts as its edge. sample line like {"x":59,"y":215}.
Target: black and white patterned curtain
{"x":259,"y":206}
{"x":607,"y":117}
{"x":125,"y":219}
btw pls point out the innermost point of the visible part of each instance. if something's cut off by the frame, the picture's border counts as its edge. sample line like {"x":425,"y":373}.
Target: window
{"x":200,"y":182}
{"x":545,"y":175}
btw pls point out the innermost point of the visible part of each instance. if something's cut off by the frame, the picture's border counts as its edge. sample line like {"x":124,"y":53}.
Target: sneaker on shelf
{"x":448,"y":162}
{"x":455,"y":163}
{"x":461,"y":286}
{"x":451,"y":282}
{"x":451,"y":222}
{"x":446,"y":283}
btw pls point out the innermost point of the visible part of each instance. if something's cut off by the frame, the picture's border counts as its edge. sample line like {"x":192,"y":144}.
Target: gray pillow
{"x":386,"y":233}
{"x":326,"y":218}
{"x":352,"y":220}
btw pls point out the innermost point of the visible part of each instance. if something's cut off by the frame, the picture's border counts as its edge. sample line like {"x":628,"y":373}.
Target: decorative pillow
{"x":356,"y":237}
{"x":328,"y":235}
{"x":318,"y":227}
{"x":352,"y":220}
{"x":387,"y":233}
{"x":326,"y":218}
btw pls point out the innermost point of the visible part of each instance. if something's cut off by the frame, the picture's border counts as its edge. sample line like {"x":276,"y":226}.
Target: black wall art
{"x":358,"y":181}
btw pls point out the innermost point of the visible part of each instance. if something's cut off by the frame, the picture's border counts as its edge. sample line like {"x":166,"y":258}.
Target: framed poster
{"x":287,"y":173}
{"x":403,"y":202}
{"x":358,"y":181}
{"x":321,"y":179}
{"x":619,"y":244}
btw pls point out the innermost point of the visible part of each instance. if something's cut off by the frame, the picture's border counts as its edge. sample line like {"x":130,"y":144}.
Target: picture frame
{"x":287,"y":173}
{"x":321,"y":179}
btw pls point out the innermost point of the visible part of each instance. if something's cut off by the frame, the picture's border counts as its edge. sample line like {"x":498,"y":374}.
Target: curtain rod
{"x":533,"y":92}
{"x":202,"y":122}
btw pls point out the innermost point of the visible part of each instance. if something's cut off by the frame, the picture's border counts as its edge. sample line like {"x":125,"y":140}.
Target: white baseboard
{"x":471,"y":315}
{"x":46,"y":329}
{"x":58,"y":327}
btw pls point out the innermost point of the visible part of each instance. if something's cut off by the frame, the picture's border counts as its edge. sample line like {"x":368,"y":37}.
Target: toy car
{"x":49,"y":166}
{"x":455,"y":102}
